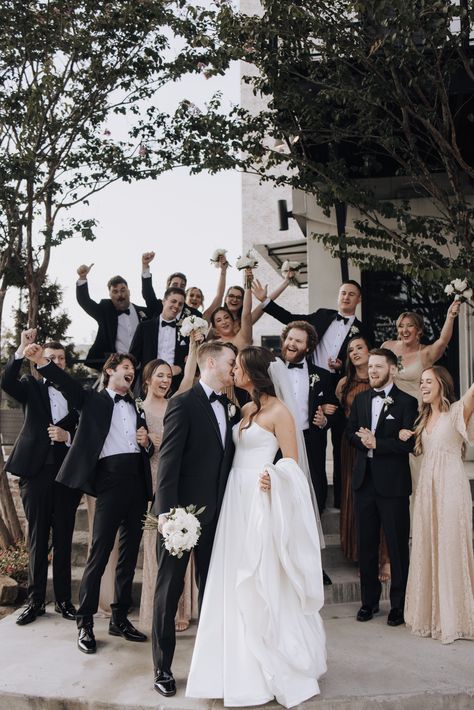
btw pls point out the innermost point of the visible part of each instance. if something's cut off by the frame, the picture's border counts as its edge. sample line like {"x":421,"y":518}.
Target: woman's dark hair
{"x":254,"y":361}
{"x":236,"y":288}
{"x":149,"y":369}
{"x":216,"y":311}
{"x":351,"y":372}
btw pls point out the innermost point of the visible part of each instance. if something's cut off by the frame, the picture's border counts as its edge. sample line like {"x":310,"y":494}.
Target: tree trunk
{"x":7,"y":506}
{"x":5,"y":537}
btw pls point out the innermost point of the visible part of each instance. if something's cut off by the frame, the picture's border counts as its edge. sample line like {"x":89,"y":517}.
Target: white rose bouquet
{"x":194,"y":323}
{"x":181,"y":531}
{"x":249,"y":261}
{"x":460,"y":289}
{"x":291,"y":266}
{"x":216,"y":257}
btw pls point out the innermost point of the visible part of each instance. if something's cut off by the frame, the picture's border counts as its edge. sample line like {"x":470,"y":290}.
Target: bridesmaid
{"x":440,"y":591}
{"x":355,"y":381}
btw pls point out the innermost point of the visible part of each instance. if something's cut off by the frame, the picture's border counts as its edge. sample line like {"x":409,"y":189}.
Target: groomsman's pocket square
{"x":390,"y":417}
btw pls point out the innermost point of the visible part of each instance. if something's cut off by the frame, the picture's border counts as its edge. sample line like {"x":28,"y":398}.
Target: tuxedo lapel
{"x":206,"y":405}
{"x":46,"y":401}
{"x":386,"y":409}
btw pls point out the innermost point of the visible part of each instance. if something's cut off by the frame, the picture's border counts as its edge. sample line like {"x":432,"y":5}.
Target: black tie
{"x":123,"y":397}
{"x":171,"y":323}
{"x":51,"y":384}
{"x":125,"y":310}
{"x":339,"y":317}
{"x":373,"y":394}
{"x":213,"y":397}
{"x":299,"y":365}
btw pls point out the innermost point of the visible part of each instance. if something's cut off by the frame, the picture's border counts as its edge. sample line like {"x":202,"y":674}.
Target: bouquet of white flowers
{"x":248,"y":261}
{"x":459,"y":288}
{"x":181,"y":531}
{"x":191,"y":323}
{"x":216,"y":257}
{"x":291,"y":266}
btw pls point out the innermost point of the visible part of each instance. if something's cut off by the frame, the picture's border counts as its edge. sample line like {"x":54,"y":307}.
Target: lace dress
{"x":440,"y":590}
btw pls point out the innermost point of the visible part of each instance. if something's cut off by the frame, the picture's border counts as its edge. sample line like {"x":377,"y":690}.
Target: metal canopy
{"x":278,"y":252}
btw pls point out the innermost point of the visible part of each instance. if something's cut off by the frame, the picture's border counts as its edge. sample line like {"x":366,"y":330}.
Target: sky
{"x":182,"y":218}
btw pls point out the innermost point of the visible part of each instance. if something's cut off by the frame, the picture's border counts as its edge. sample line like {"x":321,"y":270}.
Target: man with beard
{"x":116,"y":317}
{"x":381,"y":481}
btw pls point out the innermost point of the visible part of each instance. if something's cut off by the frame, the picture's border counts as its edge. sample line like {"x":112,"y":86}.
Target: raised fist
{"x":83,"y":270}
{"x":147,"y":258}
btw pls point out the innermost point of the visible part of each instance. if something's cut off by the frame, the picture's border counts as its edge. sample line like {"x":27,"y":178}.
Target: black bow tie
{"x":214,"y":397}
{"x":339,"y":317}
{"x":373,"y":394}
{"x":123,"y":397}
{"x":299,"y":365}
{"x":125,"y":310}
{"x":171,"y":323}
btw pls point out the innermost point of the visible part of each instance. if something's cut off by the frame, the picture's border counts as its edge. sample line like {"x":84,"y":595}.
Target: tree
{"x":356,"y":92}
{"x":67,"y":67}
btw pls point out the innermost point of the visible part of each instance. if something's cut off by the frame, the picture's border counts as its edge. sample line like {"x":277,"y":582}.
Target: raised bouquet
{"x":216,"y":257}
{"x":194,"y":323}
{"x":181,"y":530}
{"x":249,"y":261}
{"x":288,"y":266}
{"x":460,"y":289}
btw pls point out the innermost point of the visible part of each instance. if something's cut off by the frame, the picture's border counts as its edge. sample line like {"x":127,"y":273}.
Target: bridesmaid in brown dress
{"x":356,"y":381}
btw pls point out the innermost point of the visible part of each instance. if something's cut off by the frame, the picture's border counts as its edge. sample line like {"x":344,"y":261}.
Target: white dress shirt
{"x":331,"y":342}
{"x":166,"y":342}
{"x":126,"y":327}
{"x":377,"y":406}
{"x":218,"y":409}
{"x":299,"y":379}
{"x":122,"y":436}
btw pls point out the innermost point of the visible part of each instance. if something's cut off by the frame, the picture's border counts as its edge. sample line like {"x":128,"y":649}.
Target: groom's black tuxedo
{"x":193,"y":469}
{"x":382,"y":486}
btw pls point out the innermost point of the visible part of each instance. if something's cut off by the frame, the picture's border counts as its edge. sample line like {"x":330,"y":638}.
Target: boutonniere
{"x":353,"y":331}
{"x":231,"y":410}
{"x":139,"y":407}
{"x":387,"y":401}
{"x":313,"y":379}
{"x":141,"y":314}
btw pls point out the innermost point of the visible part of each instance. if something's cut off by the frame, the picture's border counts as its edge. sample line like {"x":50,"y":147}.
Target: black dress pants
{"x":374,"y":511}
{"x":49,"y":505}
{"x":168,"y":590}
{"x":121,"y":506}
{"x":315,"y":441}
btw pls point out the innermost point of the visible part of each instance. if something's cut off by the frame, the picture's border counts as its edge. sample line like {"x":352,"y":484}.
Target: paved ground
{"x":370,"y":666}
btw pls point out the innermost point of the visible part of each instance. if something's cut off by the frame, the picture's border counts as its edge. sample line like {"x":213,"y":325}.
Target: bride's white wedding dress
{"x":260,"y":633}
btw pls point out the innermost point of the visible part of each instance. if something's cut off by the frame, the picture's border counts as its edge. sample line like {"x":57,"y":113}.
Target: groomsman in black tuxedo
{"x":36,"y":457}
{"x":116,"y":317}
{"x":381,"y":481}
{"x":109,"y":459}
{"x":335,"y":327}
{"x":155,"y":305}
{"x":195,"y":459}
{"x":161,"y":336}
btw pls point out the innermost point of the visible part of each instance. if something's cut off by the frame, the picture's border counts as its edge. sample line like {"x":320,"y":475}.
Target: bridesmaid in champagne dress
{"x":440,"y":591}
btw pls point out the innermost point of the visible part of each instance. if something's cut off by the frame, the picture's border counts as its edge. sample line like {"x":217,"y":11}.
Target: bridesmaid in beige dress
{"x":440,"y":591}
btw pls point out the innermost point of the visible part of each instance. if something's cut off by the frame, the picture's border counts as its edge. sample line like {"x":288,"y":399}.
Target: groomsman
{"x":335,"y":327}
{"x":155,"y":305}
{"x":116,"y":317}
{"x":161,"y":336}
{"x":195,"y":459}
{"x":36,"y":457}
{"x":381,"y":481}
{"x":109,"y":459}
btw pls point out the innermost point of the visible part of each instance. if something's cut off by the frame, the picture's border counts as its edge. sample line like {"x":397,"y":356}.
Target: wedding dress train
{"x":260,"y":633}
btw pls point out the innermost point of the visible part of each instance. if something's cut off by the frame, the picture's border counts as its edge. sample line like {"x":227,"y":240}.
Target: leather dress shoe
{"x":326,"y":579}
{"x":395,"y":617}
{"x":66,"y":609}
{"x":123,"y":627}
{"x":366,"y":613}
{"x":86,"y":639}
{"x":164,"y":684}
{"x":30,"y":612}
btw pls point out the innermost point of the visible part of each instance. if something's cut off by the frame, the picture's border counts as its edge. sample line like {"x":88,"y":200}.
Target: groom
{"x":195,"y":459}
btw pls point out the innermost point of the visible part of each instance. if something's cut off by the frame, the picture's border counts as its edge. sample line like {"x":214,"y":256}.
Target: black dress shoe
{"x":326,"y":579}
{"x":86,"y":639}
{"x":366,"y":613}
{"x":395,"y":617}
{"x":164,"y":684}
{"x":67,"y":609}
{"x":123,"y":627}
{"x":29,"y":613}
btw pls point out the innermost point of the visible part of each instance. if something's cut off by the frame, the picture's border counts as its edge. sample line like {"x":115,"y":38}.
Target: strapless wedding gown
{"x":260,"y":634}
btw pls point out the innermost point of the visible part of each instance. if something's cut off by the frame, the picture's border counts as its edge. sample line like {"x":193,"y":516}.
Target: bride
{"x":260,"y":633}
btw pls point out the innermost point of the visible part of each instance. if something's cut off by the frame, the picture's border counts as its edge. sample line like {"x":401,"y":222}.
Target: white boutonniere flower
{"x":387,"y":401}
{"x":313,"y":379}
{"x":353,"y":331}
{"x":141,"y":314}
{"x":139,"y":406}
{"x":231,"y":410}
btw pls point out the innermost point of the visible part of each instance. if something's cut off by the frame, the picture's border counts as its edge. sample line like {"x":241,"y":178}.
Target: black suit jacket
{"x":320,"y":320}
{"x":390,"y":463}
{"x":106,"y":316}
{"x":193,"y":466}
{"x":79,"y":467}
{"x":33,"y":444}
{"x":144,"y":345}
{"x":321,"y":391}
{"x":155,"y":305}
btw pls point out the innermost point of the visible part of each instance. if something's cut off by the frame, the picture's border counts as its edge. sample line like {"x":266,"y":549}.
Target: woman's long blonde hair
{"x":447,"y":396}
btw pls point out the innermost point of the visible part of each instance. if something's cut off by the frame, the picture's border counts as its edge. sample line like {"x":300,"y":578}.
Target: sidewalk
{"x":370,"y":666}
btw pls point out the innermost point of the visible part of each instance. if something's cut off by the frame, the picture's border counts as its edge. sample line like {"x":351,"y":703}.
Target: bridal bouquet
{"x":181,"y":530}
{"x":459,"y":288}
{"x":216,"y":257}
{"x":191,"y":323}
{"x":247,"y":262}
{"x":291,"y":266}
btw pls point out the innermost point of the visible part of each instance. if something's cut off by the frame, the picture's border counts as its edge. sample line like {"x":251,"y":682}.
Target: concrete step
{"x":76,"y":576}
{"x":80,"y":549}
